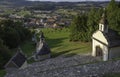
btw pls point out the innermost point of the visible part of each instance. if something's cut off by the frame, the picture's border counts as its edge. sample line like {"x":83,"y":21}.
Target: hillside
{"x":14,"y":2}
{"x":21,"y":3}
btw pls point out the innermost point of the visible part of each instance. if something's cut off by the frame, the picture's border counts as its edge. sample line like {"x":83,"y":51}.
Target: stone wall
{"x":75,"y":66}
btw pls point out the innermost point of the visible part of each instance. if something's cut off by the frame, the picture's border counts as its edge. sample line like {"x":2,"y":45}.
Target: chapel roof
{"x":113,"y":38}
{"x":18,"y":59}
{"x":41,"y":35}
{"x":44,"y":49}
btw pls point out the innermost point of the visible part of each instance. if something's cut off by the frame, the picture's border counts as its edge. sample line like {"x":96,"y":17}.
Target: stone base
{"x":42,"y":57}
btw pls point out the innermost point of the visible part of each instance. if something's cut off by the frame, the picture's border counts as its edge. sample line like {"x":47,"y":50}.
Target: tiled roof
{"x":113,"y":38}
{"x":19,"y":59}
{"x":44,"y":49}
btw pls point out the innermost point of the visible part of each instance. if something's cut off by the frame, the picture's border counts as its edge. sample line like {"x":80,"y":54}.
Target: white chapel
{"x":105,"y":42}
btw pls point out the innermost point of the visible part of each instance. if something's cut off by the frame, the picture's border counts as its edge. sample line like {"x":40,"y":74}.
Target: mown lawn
{"x":58,"y":41}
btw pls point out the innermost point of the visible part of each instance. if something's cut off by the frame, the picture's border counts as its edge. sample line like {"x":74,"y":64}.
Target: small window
{"x":101,"y":27}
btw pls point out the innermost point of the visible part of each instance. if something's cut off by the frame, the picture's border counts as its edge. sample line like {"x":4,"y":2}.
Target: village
{"x":46,"y":20}
{"x":34,"y":17}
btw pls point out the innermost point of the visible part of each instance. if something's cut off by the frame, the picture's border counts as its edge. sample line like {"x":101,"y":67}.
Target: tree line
{"x":83,"y":25}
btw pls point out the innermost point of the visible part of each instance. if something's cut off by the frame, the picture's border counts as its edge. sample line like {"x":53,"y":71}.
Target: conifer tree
{"x":78,"y":28}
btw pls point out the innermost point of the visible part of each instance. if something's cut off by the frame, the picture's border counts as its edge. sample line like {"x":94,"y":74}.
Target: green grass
{"x":2,"y":73}
{"x":28,"y":47}
{"x":112,"y":75}
{"x":58,"y":41}
{"x":66,"y":12}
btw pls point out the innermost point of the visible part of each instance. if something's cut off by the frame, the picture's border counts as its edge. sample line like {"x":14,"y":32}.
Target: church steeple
{"x":103,"y":24}
{"x":42,"y":37}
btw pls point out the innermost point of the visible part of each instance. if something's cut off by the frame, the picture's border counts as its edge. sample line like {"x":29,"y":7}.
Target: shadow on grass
{"x":54,"y":42}
{"x":64,"y":52}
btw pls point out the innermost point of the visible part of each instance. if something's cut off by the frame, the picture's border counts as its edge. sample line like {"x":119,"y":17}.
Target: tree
{"x":13,"y":33}
{"x":83,"y":26}
{"x":93,"y":20}
{"x":11,"y":38}
{"x":4,"y":54}
{"x":78,"y":28}
{"x":113,"y":15}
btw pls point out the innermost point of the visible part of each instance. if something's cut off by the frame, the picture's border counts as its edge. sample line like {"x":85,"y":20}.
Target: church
{"x":42,"y":50}
{"x":105,"y":42}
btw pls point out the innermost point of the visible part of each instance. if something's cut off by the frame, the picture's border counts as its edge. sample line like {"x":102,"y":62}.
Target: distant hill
{"x":18,"y":3}
{"x":22,"y":3}
{"x":15,"y":2}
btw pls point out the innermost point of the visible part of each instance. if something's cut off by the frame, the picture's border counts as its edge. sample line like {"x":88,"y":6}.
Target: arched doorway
{"x":99,"y":51}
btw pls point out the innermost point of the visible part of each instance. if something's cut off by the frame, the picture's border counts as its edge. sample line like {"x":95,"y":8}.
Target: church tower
{"x":103,"y":24}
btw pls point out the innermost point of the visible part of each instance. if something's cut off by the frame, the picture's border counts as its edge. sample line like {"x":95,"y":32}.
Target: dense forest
{"x":83,"y":25}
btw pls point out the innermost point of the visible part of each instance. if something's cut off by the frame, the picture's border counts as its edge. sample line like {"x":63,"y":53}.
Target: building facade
{"x":105,"y":42}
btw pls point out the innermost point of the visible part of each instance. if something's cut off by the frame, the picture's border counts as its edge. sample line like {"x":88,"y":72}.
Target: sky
{"x":70,"y":0}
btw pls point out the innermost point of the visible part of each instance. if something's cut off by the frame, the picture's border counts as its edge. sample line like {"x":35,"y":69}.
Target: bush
{"x":13,"y":33}
{"x":78,"y":28}
{"x":11,"y":38}
{"x":4,"y":54}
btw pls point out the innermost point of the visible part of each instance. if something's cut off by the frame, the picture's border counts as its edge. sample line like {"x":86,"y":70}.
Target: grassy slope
{"x":28,"y":47}
{"x":58,"y":41}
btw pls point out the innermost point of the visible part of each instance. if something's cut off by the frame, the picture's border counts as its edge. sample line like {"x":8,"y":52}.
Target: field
{"x":58,"y":41}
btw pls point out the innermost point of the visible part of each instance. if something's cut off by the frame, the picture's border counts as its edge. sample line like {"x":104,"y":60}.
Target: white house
{"x":105,"y":42}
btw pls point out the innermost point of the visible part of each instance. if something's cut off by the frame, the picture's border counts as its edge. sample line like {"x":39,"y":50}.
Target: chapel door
{"x":99,"y":52}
